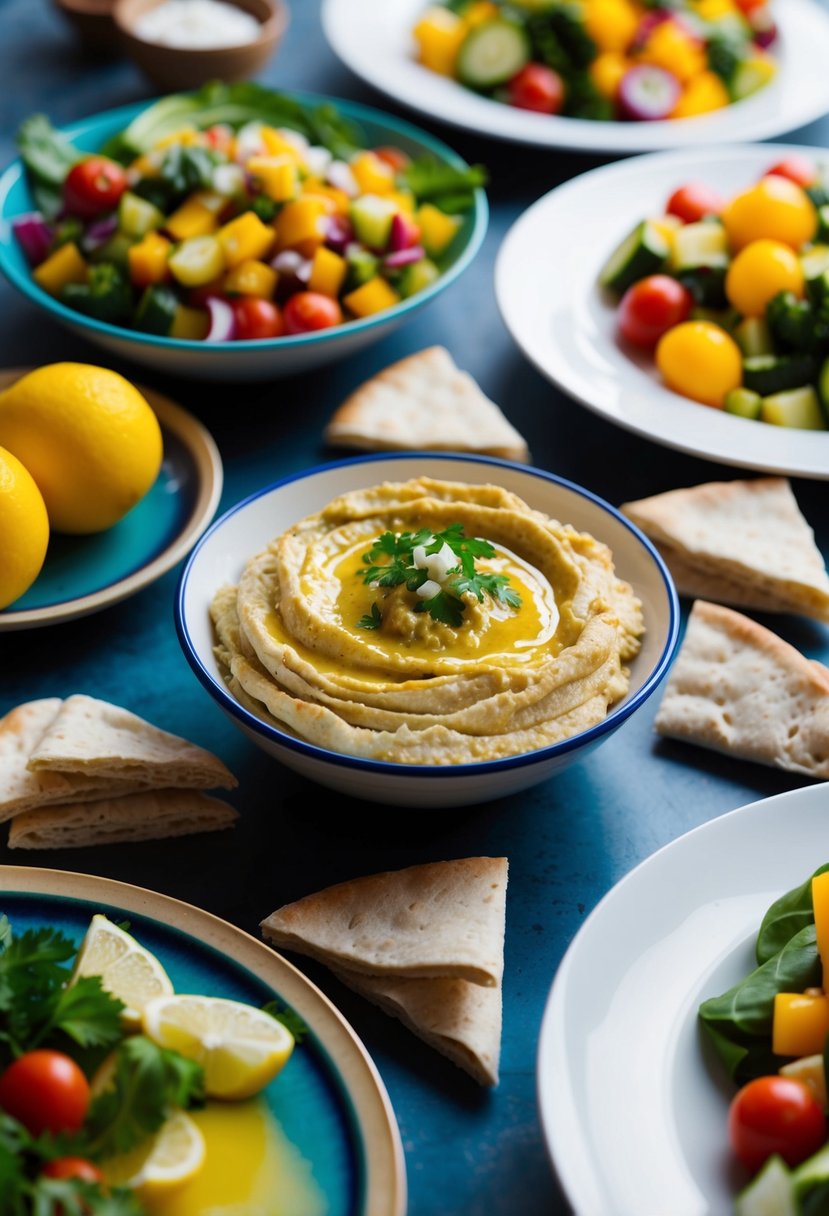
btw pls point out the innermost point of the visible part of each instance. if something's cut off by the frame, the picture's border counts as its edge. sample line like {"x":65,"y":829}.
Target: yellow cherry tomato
{"x":700,"y":360}
{"x":759,"y":272}
{"x":774,"y":208}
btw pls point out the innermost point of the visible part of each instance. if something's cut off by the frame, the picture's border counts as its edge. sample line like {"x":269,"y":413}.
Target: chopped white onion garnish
{"x":438,"y":564}
{"x":429,"y":589}
{"x":317,"y":159}
{"x":228,"y":179}
{"x":249,"y":142}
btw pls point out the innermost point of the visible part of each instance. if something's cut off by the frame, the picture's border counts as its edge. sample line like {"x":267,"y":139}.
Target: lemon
{"x":24,"y":529}
{"x":241,"y":1048}
{"x":127,"y":969}
{"x":174,"y":1155}
{"x":89,"y":439}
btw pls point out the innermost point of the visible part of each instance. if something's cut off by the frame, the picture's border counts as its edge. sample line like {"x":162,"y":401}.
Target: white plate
{"x":374,"y":40}
{"x":633,"y":1117}
{"x":546,"y":286}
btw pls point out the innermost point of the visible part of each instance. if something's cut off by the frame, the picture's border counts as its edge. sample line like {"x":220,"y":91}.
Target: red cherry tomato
{"x":73,"y":1167}
{"x":693,"y":201}
{"x":396,"y":158}
{"x":750,"y":6}
{"x":651,"y":307}
{"x":309,"y":310}
{"x":536,"y":87}
{"x":46,"y":1091}
{"x":775,"y":1114}
{"x":93,"y":186}
{"x":257,"y":318}
{"x":798,"y":169}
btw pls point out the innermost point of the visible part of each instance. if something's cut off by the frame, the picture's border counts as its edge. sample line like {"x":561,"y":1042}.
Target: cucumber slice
{"x":753,"y":337}
{"x":361,"y":266}
{"x":643,"y":252}
{"x":491,"y":54}
{"x":137,"y":216}
{"x":744,"y":402}
{"x":767,"y":374}
{"x":770,"y":1192}
{"x":156,"y":310}
{"x":823,"y":386}
{"x":810,"y":1182}
{"x":417,"y":276}
{"x":371,"y":216}
{"x":799,"y":407}
{"x":701,"y":244}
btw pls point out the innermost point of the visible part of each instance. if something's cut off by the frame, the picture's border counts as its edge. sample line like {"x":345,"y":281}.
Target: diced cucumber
{"x":361,"y":266}
{"x":491,"y":54}
{"x":799,"y":407}
{"x":115,"y":250}
{"x":817,"y":287}
{"x":743,"y":401}
{"x":814,"y":261}
{"x":767,"y":374}
{"x":726,"y":318}
{"x":810,"y":1182}
{"x":701,"y":244}
{"x":156,"y":310}
{"x":706,"y":284}
{"x":137,"y":216}
{"x":753,"y":337}
{"x":770,"y":1192}
{"x":643,"y":252}
{"x":823,"y":223}
{"x":371,"y":216}
{"x":811,"y":1071}
{"x":416,"y":276}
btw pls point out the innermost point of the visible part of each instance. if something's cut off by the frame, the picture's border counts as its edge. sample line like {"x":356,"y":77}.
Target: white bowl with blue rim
{"x":251,"y":524}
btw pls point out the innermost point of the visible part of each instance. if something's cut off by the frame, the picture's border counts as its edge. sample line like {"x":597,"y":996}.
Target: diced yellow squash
{"x":251,"y":278}
{"x":245,"y":237}
{"x":701,"y":95}
{"x":277,"y":175}
{"x":192,"y":218}
{"x":186,"y":136}
{"x":197,"y":261}
{"x":436,"y":228}
{"x":438,"y":35}
{"x":278,"y":145}
{"x":374,"y":296}
{"x":809,"y":1070}
{"x":373,"y":175}
{"x":191,"y":323}
{"x":147,"y":259}
{"x":800,"y":1023}
{"x":66,"y":265}
{"x":301,"y":225}
{"x":328,"y":271}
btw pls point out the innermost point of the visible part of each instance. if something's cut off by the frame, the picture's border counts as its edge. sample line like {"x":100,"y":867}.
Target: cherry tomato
{"x":798,"y":169}
{"x":46,"y":1091}
{"x":651,"y":307}
{"x":396,"y":158}
{"x":750,"y":6}
{"x":536,"y":87}
{"x":693,"y":201}
{"x":257,"y":318}
{"x":93,"y":186}
{"x":775,"y":1114}
{"x":73,"y":1167}
{"x":758,"y":272}
{"x":308,"y":310}
{"x":700,"y":360}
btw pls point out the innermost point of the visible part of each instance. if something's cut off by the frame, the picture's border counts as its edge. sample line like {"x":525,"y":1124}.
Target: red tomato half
{"x":257,"y":318}
{"x":45,"y":1091}
{"x":309,"y":310}
{"x":694,"y":201}
{"x":93,"y":186}
{"x":72,"y":1167}
{"x":798,"y":169}
{"x":536,"y":87}
{"x":775,"y":1114}
{"x":651,"y":307}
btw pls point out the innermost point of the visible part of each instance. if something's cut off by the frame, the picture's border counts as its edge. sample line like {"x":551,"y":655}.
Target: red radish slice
{"x":648,"y":93}
{"x":222,"y":321}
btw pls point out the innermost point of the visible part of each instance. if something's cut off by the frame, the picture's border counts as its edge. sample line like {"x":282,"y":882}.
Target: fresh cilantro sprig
{"x":289,"y":1018}
{"x":447,"y":605}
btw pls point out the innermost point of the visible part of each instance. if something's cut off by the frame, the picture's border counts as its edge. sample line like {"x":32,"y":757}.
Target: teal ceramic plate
{"x":82,"y":574}
{"x":339,"y":1140}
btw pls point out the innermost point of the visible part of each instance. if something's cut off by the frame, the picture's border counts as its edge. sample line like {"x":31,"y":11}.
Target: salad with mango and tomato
{"x":236,"y":213}
{"x":730,"y":295}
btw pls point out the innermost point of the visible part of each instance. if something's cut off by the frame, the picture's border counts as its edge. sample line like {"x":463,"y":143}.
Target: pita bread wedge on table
{"x":737,"y":688}
{"x":425,"y":943}
{"x":424,"y":403}
{"x":743,"y":543}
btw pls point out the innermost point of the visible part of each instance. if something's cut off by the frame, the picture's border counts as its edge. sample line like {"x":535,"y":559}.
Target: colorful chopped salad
{"x":626,"y":60}
{"x":236,"y":213}
{"x":731,"y":295}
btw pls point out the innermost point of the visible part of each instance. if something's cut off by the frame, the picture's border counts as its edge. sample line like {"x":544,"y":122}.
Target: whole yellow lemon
{"x":88,"y":437}
{"x":24,"y":529}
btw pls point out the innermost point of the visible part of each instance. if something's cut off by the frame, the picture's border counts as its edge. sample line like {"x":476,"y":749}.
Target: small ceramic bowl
{"x":173,"y":67}
{"x":246,"y":528}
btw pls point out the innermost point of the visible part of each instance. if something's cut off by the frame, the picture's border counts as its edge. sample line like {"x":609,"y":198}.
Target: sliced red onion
{"x":403,"y":233}
{"x":291,"y":263}
{"x":648,"y":93}
{"x":404,"y":257}
{"x":33,"y":235}
{"x":339,"y":232}
{"x":99,"y":232}
{"x":222,"y":320}
{"x":764,"y":29}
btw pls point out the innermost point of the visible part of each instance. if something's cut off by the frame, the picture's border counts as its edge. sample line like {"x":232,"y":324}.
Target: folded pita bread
{"x":151,"y":815}
{"x":743,"y":543}
{"x":97,"y":739}
{"x":443,"y":919}
{"x":424,"y":402}
{"x":738,"y":688}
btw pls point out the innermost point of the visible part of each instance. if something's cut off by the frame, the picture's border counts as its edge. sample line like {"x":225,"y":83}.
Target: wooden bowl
{"x":92,"y":23}
{"x":175,"y":68}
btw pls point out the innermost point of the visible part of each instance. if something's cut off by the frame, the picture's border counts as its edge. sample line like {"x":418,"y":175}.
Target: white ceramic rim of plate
{"x":374,"y":41}
{"x":552,"y":307}
{"x":383,"y":1162}
{"x":210,"y":473}
{"x":635,"y":1123}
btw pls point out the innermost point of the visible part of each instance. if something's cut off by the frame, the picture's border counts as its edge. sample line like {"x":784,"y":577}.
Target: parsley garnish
{"x":289,"y":1019}
{"x":463,"y":579}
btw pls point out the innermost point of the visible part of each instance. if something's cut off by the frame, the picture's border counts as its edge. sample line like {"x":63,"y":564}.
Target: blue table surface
{"x":468,"y":1151}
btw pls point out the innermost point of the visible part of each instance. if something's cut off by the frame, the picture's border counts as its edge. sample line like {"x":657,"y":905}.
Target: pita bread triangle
{"x":743,"y":543}
{"x":424,"y":403}
{"x":737,"y":688}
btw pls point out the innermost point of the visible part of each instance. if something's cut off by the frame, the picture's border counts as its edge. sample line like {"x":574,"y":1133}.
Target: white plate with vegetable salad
{"x":377,"y":42}
{"x":548,"y":285}
{"x":634,"y":1103}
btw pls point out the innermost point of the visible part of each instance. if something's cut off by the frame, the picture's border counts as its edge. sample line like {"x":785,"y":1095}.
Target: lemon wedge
{"x":173,"y":1156}
{"x":241,"y":1048}
{"x":127,"y":969}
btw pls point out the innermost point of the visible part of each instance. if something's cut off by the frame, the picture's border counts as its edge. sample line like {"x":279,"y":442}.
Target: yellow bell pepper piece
{"x":300,"y":225}
{"x":373,"y":175}
{"x":190,"y":323}
{"x":671,"y":48}
{"x":606,"y":72}
{"x":439,"y":34}
{"x":245,"y":237}
{"x":611,"y":24}
{"x":197,"y":261}
{"x":436,"y":228}
{"x":374,"y":296}
{"x":800,"y":1023}
{"x":479,"y":12}
{"x":820,"y":904}
{"x":701,"y":95}
{"x":65,"y":265}
{"x":251,"y":278}
{"x":405,"y":200}
{"x":713,"y":10}
{"x":192,"y":218}
{"x":328,"y":272}
{"x":278,"y":145}
{"x":756,"y":72}
{"x":278,"y":176}
{"x":148,"y":259}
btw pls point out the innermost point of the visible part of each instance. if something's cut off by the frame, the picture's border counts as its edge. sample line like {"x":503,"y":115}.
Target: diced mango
{"x":147,"y":259}
{"x":701,"y":95}
{"x":800,"y":1023}
{"x":405,"y":200}
{"x":251,"y":278}
{"x":301,"y":225}
{"x":278,"y":145}
{"x":611,"y":24}
{"x":373,"y":175}
{"x":245,"y":237}
{"x":438,"y":35}
{"x":328,"y":271}
{"x":192,"y":218}
{"x":191,"y":323}
{"x":374,"y":296}
{"x":336,"y":200}
{"x":606,"y":72}
{"x":436,"y":228}
{"x":669,"y":46}
{"x":66,"y":265}
{"x":277,"y":175}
